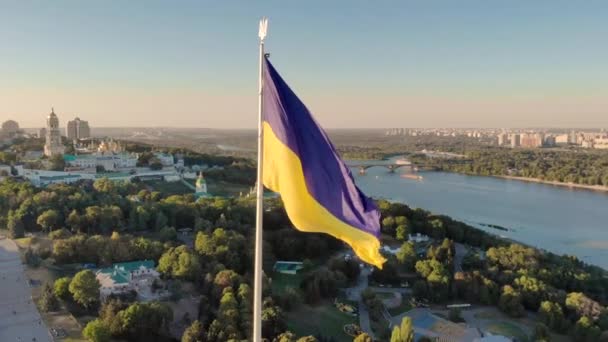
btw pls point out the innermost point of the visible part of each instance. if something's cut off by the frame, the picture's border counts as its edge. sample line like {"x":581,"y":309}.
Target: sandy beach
{"x":19,"y":318}
{"x":562,"y":184}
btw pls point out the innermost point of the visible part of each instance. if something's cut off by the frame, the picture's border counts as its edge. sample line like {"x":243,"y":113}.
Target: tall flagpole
{"x":257,"y":286}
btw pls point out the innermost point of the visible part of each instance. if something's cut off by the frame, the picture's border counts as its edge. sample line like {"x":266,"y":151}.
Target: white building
{"x":124,"y":277}
{"x":43,"y":177}
{"x":601,"y":143}
{"x":109,"y":161}
{"x":165,"y":159}
{"x":417,"y":238}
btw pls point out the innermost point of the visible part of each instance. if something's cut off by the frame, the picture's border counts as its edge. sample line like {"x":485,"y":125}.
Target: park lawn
{"x":281,"y":281}
{"x":222,"y":188}
{"x":325,"y":320}
{"x":403,"y":307}
{"x":169,"y":188}
{"x":384,"y":295}
{"x":24,"y":243}
{"x":507,"y":329}
{"x":486,"y":315}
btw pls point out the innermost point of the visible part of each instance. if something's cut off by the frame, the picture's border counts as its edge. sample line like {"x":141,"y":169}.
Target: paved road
{"x":19,"y":317}
{"x":354,"y":294}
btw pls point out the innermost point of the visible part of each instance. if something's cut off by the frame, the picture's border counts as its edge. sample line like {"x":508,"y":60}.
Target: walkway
{"x":354,"y":294}
{"x":19,"y":317}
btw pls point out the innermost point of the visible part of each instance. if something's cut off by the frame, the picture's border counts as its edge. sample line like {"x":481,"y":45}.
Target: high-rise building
{"x":515,"y":140}
{"x":503,"y":139}
{"x":42,"y":132}
{"x":532,"y":140}
{"x":53,"y":145}
{"x":78,"y":129}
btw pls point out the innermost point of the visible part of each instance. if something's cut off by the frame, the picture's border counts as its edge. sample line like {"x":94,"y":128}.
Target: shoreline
{"x":599,"y":188}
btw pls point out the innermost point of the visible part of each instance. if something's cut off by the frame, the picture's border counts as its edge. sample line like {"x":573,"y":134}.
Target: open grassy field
{"x":508,"y":329}
{"x":403,"y":307}
{"x":325,"y":320}
{"x":169,"y":188}
{"x":281,"y":281}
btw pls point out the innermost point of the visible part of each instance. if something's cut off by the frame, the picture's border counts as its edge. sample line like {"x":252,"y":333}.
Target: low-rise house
{"x":288,"y":267}
{"x":124,"y":277}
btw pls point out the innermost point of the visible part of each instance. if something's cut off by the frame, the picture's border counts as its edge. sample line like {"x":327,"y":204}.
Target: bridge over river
{"x":392,"y":165}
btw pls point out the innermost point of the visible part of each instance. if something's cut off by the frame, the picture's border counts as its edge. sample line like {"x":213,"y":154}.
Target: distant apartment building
{"x":562,"y":139}
{"x":601,"y":143}
{"x":78,"y":129}
{"x":550,"y":141}
{"x":42,"y":132}
{"x":531,"y":140}
{"x":515,"y":140}
{"x":503,"y":139}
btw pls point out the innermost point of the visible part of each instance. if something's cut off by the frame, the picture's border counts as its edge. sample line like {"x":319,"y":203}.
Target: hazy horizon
{"x":355,"y":64}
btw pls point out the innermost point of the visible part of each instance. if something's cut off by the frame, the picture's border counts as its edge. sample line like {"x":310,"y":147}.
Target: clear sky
{"x":354,"y":63}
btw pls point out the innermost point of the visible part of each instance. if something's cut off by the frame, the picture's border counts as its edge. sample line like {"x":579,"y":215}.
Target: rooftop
{"x":119,"y":272}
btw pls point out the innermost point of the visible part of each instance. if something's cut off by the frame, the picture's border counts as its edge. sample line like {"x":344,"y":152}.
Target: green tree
{"x":406,"y":256}
{"x":228,"y":314}
{"x":143,"y":321}
{"x":363,"y":338}
{"x":245,"y":308}
{"x":552,"y":315}
{"x":585,"y":331}
{"x":273,"y":320}
{"x":194,"y":333}
{"x":404,"y":332}
{"x":57,"y":163}
{"x":541,"y":333}
{"x":61,"y":288}
{"x":180,"y":262}
{"x":388,"y":225}
{"x":582,"y":305}
{"x":104,"y":185}
{"x":15,"y":225}
{"x":403,"y":228}
{"x":533,"y":291}
{"x":84,"y":288}
{"x":74,"y":221}
{"x":48,"y":219}
{"x":161,"y":221}
{"x":510,"y":302}
{"x":96,"y":331}
{"x":48,"y":301}
{"x":167,"y":234}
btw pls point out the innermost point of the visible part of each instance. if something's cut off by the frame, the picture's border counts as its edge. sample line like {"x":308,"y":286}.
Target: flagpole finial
{"x":263,"y":28}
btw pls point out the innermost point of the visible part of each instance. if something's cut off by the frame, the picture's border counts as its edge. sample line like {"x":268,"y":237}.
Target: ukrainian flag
{"x":317,"y":188}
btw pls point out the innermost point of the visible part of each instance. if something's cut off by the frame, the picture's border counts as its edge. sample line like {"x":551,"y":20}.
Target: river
{"x":558,"y":219}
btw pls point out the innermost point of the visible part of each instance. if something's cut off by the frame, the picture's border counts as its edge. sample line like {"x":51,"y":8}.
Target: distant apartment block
{"x":515,"y":140}
{"x":601,"y":143}
{"x":503,"y":139}
{"x":78,"y":129}
{"x":532,"y":140}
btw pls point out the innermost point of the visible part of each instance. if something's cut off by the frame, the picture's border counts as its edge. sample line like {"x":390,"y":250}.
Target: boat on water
{"x":411,"y":176}
{"x":402,"y":161}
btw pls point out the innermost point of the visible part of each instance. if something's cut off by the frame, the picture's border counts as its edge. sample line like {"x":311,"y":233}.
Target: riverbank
{"x":600,"y":188}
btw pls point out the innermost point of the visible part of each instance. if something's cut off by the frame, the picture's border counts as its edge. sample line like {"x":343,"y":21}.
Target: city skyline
{"x":356,"y":66}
